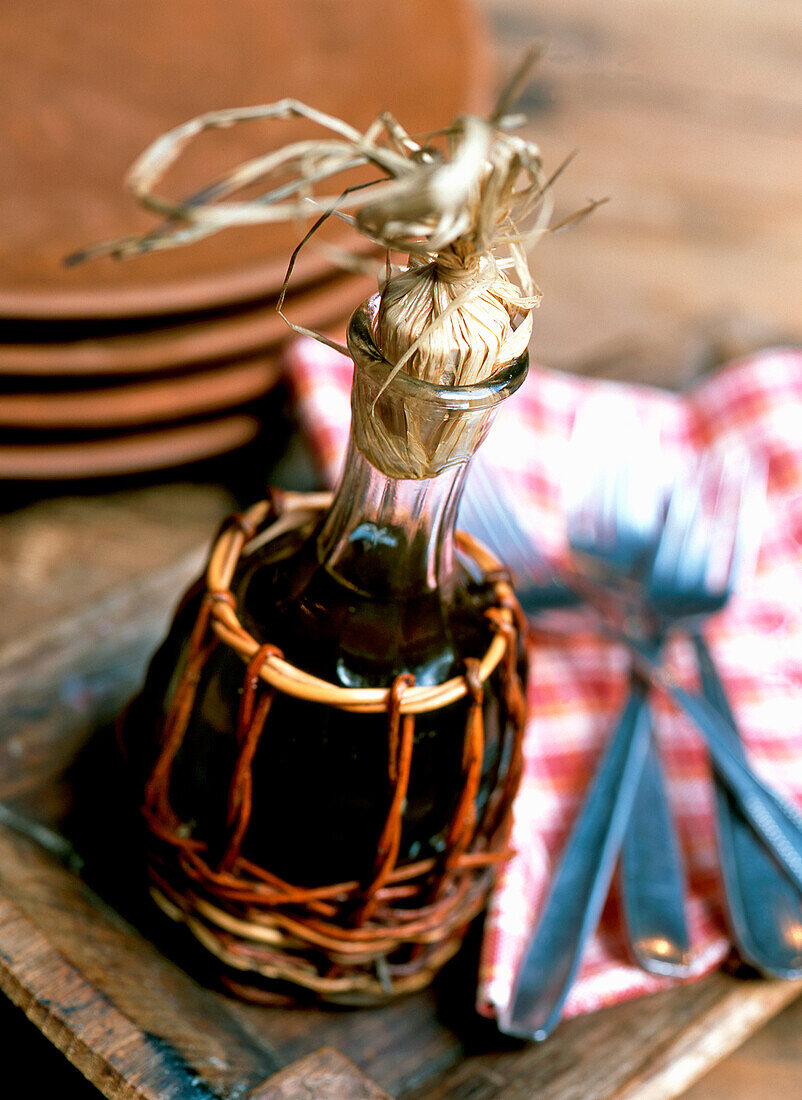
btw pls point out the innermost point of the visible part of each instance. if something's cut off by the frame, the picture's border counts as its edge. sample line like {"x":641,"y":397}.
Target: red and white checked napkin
{"x":578,"y":680}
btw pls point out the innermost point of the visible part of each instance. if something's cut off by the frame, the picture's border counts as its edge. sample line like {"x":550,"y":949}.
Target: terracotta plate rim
{"x":141,"y":452}
{"x":200,"y":341}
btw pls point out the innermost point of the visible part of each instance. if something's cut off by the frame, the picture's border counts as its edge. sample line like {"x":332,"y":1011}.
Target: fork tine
{"x":499,"y":523}
{"x":591,"y":502}
{"x":682,"y":507}
{"x":705,"y":538}
{"x":711,"y":529}
{"x":617,"y":451}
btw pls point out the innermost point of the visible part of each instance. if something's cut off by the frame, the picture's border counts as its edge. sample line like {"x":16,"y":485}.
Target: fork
{"x":699,"y":562}
{"x":614,"y":515}
{"x":776,"y":821}
{"x":582,"y":878}
{"x":577,"y":891}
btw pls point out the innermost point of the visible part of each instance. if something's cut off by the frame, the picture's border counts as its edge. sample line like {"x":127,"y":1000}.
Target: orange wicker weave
{"x":350,"y":942}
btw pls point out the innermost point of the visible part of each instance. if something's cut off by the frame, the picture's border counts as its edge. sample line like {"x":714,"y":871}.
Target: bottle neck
{"x":389,"y":537}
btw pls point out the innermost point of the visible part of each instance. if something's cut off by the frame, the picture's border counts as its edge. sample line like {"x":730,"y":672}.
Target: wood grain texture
{"x":424,"y":1048}
{"x":87,"y":587}
{"x":77,"y":1020}
{"x":325,"y":1075}
{"x":770,"y":1060}
{"x":116,"y":1055}
{"x":131,"y":1019}
{"x":60,"y":553}
{"x":688,"y":116}
{"x":651,"y":1049}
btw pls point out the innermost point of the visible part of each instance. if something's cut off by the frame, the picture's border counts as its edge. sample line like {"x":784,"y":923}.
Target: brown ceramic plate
{"x":232,"y":335}
{"x":126,"y":454}
{"x":144,"y":403}
{"x":87,"y":85}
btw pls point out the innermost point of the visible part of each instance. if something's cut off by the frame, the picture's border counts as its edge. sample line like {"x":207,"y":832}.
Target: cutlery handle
{"x":535,"y":598}
{"x":652,"y":875}
{"x":764,"y":907}
{"x":581,"y":881}
{"x":775,"y":820}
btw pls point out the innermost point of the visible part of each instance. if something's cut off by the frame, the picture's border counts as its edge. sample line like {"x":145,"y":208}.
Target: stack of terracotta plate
{"x":111,"y":367}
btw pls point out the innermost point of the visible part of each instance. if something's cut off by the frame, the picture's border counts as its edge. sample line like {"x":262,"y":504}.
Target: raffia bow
{"x":460,"y":204}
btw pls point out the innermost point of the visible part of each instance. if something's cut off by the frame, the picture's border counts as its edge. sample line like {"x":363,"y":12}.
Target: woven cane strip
{"x":251,"y":720}
{"x":340,"y":941}
{"x":401,"y":733}
{"x":285,"y":677}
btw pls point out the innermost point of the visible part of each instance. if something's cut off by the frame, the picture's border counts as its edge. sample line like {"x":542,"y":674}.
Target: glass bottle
{"x":373,"y":588}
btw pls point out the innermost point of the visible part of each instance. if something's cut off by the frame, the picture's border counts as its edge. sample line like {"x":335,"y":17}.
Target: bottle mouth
{"x":480,"y":395}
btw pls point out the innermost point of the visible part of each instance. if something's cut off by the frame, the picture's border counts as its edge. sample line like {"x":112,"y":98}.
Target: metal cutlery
{"x":771,"y":942}
{"x":582,"y":878}
{"x":583,"y":874}
{"x":764,"y":908}
{"x":691,"y":578}
{"x":774,"y":819}
{"x":486,"y":513}
{"x":763,"y":905}
{"x":614,"y":516}
{"x":580,"y":883}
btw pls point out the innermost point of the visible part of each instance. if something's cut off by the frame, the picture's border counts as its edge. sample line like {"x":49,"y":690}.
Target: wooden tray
{"x":92,"y":976}
{"x":88,"y":85}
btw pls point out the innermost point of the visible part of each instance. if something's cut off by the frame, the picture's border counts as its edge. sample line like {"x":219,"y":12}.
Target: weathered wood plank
{"x":115,"y":1054}
{"x":770,"y":1060}
{"x":128,"y":1018}
{"x":420,"y":1048}
{"x":69,"y":677}
{"x":76,"y":1018}
{"x":399,"y":1045}
{"x":87,"y":588}
{"x":688,"y":117}
{"x":59,"y":554}
{"x":650,"y":1049}
{"x":428,"y":1047}
{"x":710,"y":1037}
{"x":325,"y":1075}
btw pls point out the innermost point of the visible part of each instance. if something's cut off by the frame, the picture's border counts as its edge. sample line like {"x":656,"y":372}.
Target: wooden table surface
{"x":688,"y":116}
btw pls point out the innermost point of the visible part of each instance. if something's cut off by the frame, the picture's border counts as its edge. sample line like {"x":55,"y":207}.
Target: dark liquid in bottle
{"x":320,"y":775}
